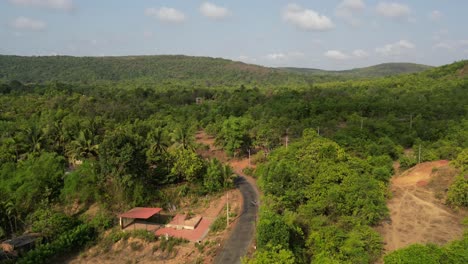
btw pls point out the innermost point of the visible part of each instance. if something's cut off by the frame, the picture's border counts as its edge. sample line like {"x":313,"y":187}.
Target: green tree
{"x":217,"y":176}
{"x":234,"y":135}
{"x":272,"y":255}
{"x":187,"y":165}
{"x":271,"y":230}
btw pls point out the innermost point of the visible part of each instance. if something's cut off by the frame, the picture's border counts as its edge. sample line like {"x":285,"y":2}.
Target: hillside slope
{"x":380,"y":70}
{"x":146,"y":68}
{"x":164,"y":68}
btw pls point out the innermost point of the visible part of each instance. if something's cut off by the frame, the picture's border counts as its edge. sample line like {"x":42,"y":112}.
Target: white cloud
{"x":393,"y":10}
{"x":166,"y":14}
{"x":284,"y":56}
{"x":452,"y":45}
{"x":213,"y":11}
{"x":352,"y":4}
{"x":24,"y":23}
{"x":359,"y":53}
{"x":435,"y":15}
{"x":348,"y":9}
{"x":306,"y":19}
{"x":340,"y":55}
{"x":276,"y":56}
{"x":66,"y":5}
{"x":246,"y":59}
{"x":336,"y":55}
{"x":395,"y":48}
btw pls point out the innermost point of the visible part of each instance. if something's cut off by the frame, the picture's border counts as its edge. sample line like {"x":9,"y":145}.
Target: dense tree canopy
{"x":118,"y":140}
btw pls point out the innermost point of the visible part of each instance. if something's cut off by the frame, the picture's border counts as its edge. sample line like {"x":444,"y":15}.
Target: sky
{"x":332,"y":34}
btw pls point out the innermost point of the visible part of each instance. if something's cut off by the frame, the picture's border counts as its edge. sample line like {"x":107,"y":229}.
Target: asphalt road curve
{"x":241,"y":237}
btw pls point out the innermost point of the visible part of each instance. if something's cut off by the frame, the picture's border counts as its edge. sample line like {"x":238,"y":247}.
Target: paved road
{"x":241,"y":237}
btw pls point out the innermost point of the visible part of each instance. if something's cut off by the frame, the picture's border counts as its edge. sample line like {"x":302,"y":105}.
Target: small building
{"x":199,"y":100}
{"x":180,"y":221}
{"x":140,"y":218}
{"x":19,"y":244}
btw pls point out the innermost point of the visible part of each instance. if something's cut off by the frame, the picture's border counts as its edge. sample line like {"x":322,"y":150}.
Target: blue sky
{"x":333,"y":34}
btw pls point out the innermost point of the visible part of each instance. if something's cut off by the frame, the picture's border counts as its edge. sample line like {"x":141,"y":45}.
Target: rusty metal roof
{"x":141,"y":213}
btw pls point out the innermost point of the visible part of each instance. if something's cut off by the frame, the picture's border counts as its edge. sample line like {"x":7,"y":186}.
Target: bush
{"x":415,"y":254}
{"x":407,"y":162}
{"x":135,"y":246}
{"x":458,"y":192}
{"x":49,"y":223}
{"x":68,"y":241}
{"x":169,"y":244}
{"x":219,"y":224}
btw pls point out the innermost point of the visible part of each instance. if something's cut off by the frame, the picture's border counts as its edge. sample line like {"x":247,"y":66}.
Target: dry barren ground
{"x":417,"y":210}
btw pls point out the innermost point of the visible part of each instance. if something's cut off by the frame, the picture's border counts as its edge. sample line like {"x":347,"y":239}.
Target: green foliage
{"x":187,"y":165}
{"x":219,"y":224}
{"x":272,"y":254}
{"x":102,"y":221}
{"x":315,"y":177}
{"x":35,"y":181}
{"x":234,"y":135}
{"x":461,"y":161}
{"x":272,"y":230}
{"x":82,"y":184}
{"x":131,"y":120}
{"x":49,"y":223}
{"x":169,"y":244}
{"x":217,"y":176}
{"x":457,"y":194}
{"x":415,"y":254}
{"x":66,"y":242}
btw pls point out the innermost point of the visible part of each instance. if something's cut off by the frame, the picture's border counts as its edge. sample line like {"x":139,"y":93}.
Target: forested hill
{"x":380,"y":70}
{"x":165,"y":68}
{"x":145,"y":68}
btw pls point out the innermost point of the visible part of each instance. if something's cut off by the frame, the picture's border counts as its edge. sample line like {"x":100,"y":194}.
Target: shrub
{"x":458,"y":192}
{"x":66,"y":242}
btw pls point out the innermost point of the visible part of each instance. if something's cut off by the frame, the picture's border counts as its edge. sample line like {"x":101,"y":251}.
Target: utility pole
{"x":287,"y":137}
{"x":318,"y":131}
{"x":227,"y":210}
{"x":419,"y":155}
{"x":249,"y":157}
{"x":362,"y":122}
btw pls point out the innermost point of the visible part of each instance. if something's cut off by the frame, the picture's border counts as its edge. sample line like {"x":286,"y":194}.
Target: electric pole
{"x":227,"y":210}
{"x":362,"y":122}
{"x":249,"y":157}
{"x":287,"y":136}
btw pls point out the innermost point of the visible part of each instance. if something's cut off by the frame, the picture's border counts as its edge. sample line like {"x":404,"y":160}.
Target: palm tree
{"x":182,"y":136}
{"x":157,"y":141}
{"x":83,"y":146}
{"x":32,"y":138}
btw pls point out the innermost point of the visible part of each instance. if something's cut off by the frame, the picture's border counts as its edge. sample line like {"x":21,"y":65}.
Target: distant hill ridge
{"x":380,"y":70}
{"x":163,"y":68}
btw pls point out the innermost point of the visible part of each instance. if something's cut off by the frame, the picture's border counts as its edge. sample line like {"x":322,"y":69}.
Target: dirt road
{"x":416,"y":214}
{"x":237,"y":245}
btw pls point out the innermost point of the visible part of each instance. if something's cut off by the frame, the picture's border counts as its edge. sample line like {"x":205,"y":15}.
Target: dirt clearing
{"x":417,"y":210}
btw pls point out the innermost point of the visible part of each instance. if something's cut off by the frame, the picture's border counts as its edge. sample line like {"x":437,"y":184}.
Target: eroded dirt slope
{"x":417,"y":210}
